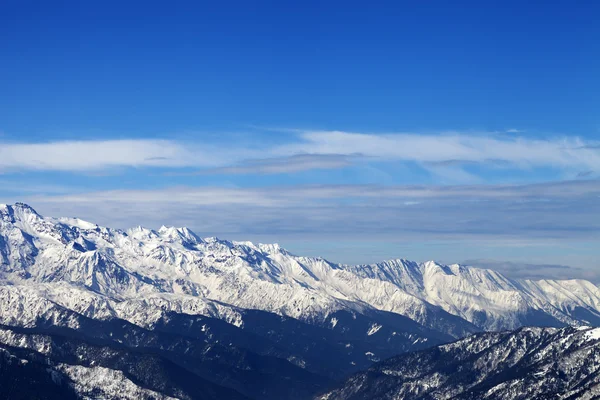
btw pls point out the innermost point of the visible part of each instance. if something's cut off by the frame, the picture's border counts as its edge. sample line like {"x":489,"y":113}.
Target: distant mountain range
{"x":143,"y":313}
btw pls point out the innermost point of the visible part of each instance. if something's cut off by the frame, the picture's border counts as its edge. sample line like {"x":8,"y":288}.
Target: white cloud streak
{"x":97,"y":155}
{"x":282,"y":165}
{"x":310,"y":150}
{"x":548,"y":214}
{"x":561,"y":152}
{"x":556,"y":210}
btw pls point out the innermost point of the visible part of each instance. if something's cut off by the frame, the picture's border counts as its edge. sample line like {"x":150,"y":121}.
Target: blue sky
{"x":356,"y":131}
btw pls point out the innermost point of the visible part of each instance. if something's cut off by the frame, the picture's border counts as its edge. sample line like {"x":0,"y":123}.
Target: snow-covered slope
{"x":529,"y":363}
{"x":251,"y":320}
{"x":141,"y":273}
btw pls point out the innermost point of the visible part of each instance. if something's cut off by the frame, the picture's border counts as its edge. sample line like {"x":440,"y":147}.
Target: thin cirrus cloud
{"x":92,"y":155}
{"x":510,"y":217}
{"x":467,"y":210}
{"x":564,"y":210}
{"x":560,"y":152}
{"x":290,"y":164}
{"x":445,"y":155}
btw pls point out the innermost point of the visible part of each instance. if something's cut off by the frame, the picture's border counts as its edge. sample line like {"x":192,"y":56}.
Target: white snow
{"x":374,"y":329}
{"x":140,"y":274}
{"x":100,"y":382}
{"x":592,"y":334}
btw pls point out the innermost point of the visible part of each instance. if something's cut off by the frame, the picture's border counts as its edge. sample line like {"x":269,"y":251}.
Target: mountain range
{"x":528,"y":363}
{"x":164,"y":313}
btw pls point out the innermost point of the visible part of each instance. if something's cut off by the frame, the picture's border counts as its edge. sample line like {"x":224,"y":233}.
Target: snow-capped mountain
{"x":241,"y":317}
{"x":104,"y":272}
{"x":529,"y":363}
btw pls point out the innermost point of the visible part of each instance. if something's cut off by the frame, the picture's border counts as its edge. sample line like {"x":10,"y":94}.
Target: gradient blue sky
{"x":457,"y":131}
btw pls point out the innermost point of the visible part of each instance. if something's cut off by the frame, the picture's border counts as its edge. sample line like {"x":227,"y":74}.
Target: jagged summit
{"x":69,"y":275}
{"x":183,"y":234}
{"x":188,"y":272}
{"x":18,"y":211}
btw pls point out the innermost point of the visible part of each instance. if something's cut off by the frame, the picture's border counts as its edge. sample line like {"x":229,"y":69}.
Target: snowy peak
{"x":405,"y":274}
{"x":141,"y":233}
{"x":78,"y":223}
{"x":20,"y":214}
{"x":181,"y":235}
{"x":67,"y":273}
{"x":453,"y":299}
{"x":26,"y":219}
{"x":17,"y":210}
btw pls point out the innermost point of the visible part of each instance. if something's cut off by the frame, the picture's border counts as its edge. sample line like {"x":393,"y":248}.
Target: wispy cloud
{"x":13,"y":187}
{"x":545,"y":215}
{"x":101,"y":154}
{"x":561,"y":152}
{"x":444,"y":155}
{"x":565,"y":210}
{"x":291,"y":164}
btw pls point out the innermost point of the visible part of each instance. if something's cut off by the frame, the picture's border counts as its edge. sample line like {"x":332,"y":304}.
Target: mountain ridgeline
{"x":90,"y":311}
{"x":528,"y":363}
